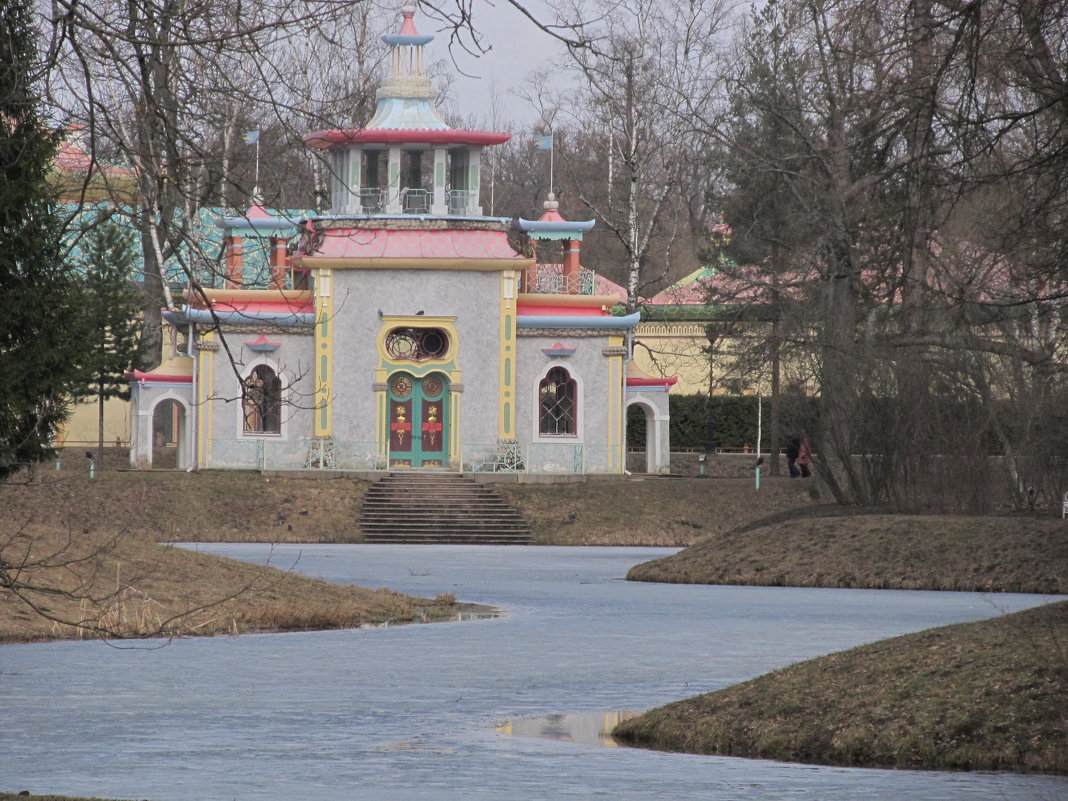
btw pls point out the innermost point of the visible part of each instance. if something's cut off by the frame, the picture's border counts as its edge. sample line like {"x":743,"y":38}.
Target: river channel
{"x":447,"y":711}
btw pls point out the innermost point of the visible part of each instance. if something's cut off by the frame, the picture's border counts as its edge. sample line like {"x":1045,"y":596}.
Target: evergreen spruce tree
{"x":111,"y":312}
{"x":39,"y":309}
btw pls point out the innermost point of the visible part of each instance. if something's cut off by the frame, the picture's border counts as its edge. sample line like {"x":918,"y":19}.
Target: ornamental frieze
{"x":560,"y":332}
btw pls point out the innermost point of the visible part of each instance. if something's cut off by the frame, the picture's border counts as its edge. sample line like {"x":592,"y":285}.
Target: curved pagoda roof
{"x":406,"y":113}
{"x":552,"y":225}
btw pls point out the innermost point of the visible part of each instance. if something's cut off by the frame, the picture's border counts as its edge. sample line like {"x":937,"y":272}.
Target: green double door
{"x":418,"y":420}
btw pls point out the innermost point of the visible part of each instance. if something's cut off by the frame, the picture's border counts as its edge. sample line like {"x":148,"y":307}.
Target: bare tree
{"x":631,"y":154}
{"x":882,"y":128}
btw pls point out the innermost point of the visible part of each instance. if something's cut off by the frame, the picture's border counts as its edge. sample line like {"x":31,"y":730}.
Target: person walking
{"x":804,"y":455}
{"x":793,"y":450}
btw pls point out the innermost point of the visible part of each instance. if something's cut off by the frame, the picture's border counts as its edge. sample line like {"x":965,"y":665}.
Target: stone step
{"x":430,"y":539}
{"x":439,"y":508}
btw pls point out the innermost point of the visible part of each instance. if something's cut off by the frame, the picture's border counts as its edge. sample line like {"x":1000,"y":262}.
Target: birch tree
{"x":647,"y":61}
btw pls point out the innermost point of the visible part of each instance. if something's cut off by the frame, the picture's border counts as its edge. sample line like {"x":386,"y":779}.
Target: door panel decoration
{"x":418,"y":435}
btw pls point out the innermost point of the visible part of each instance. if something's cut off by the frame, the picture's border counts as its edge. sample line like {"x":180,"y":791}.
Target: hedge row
{"x":734,"y":421}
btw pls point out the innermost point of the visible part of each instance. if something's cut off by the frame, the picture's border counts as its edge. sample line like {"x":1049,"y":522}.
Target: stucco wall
{"x":473,"y":298}
{"x":589,"y":367}
{"x":226,"y":442}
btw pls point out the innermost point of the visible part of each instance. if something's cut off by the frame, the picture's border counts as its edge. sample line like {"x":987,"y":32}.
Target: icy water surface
{"x":438,"y":712}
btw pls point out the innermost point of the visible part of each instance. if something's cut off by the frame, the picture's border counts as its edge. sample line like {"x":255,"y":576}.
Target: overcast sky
{"x":517,"y":48}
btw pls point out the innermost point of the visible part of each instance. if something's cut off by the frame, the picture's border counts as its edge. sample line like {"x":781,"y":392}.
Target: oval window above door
{"x":417,"y":344}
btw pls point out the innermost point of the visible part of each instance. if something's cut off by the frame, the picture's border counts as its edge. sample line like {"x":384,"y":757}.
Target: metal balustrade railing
{"x":543,"y":458}
{"x":458,"y":200}
{"x":557,"y":283}
{"x":326,"y":454}
{"x":306,"y":453}
{"x":371,"y":201}
{"x":416,"y":201}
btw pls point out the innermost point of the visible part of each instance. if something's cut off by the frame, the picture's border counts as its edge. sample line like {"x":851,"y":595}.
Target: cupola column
{"x":393,"y":188}
{"x":474,"y":166}
{"x":439,"y":206}
{"x":354,"y":181}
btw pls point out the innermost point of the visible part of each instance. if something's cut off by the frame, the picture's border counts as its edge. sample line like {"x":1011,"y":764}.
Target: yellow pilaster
{"x":381,"y":389}
{"x":203,"y":408}
{"x":506,"y":412}
{"x":455,"y":456}
{"x":615,"y":405}
{"x":324,"y":351}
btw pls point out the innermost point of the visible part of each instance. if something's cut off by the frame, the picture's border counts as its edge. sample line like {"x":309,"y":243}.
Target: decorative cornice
{"x":615,"y":351}
{"x":212,"y":347}
{"x":271,"y":328}
{"x":456,"y":387}
{"x":570,"y":333}
{"x":408,"y":223}
{"x":379,"y":386}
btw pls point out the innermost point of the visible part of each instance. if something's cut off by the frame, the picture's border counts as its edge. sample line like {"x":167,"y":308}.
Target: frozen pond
{"x":420,"y":713}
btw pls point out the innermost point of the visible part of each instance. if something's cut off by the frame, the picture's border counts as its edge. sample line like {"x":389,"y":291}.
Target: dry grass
{"x":988,"y":554}
{"x":217,"y":506}
{"x":93,"y":541}
{"x":991,"y":695}
{"x":652,"y":512}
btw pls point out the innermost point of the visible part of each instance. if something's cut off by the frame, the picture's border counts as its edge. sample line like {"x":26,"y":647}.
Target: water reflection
{"x":586,"y":728}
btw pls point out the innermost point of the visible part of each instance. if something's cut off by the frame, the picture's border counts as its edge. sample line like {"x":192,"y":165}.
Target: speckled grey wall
{"x":292,"y":361}
{"x":587,"y":365}
{"x":473,"y":298}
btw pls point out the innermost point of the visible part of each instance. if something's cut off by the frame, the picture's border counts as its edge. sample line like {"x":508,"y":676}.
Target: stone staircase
{"x":439,"y":508}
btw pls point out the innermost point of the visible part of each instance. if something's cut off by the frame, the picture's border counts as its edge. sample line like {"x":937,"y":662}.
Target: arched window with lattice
{"x":262,"y":401}
{"x":558,"y":404}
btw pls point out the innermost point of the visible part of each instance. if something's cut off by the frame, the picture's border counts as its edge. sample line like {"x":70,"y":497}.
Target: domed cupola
{"x":407,"y":160}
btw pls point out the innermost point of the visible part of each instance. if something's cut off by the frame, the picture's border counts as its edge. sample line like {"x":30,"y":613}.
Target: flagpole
{"x":257,"y":184}
{"x":552,"y":155}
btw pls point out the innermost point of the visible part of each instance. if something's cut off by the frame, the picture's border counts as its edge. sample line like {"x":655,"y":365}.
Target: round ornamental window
{"x":431,"y":387}
{"x":402,"y":386}
{"x":417,"y":344}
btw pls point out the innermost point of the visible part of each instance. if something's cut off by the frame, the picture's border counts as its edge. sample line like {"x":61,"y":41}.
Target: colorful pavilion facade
{"x":405,"y":329}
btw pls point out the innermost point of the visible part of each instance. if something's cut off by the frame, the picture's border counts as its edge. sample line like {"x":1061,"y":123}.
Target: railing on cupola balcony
{"x":459,"y":200}
{"x":550,"y":279}
{"x":416,"y":201}
{"x":371,"y":200}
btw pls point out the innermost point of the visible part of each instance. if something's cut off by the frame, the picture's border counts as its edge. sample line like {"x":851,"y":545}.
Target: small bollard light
{"x":89,"y":456}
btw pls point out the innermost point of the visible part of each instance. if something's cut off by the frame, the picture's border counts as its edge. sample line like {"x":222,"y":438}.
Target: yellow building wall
{"x":671,"y":349}
{"x":680,"y":348}
{"x":81,"y":429}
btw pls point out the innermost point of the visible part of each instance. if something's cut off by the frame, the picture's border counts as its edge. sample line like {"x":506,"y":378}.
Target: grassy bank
{"x":96,"y":543}
{"x":986,"y":554}
{"x":667,"y":512}
{"x":991,"y":695}
{"x":231,"y":506}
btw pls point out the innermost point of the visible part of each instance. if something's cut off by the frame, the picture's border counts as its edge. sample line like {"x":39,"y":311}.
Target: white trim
{"x":578,"y":437}
{"x":185,"y":448}
{"x":656,"y":428}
